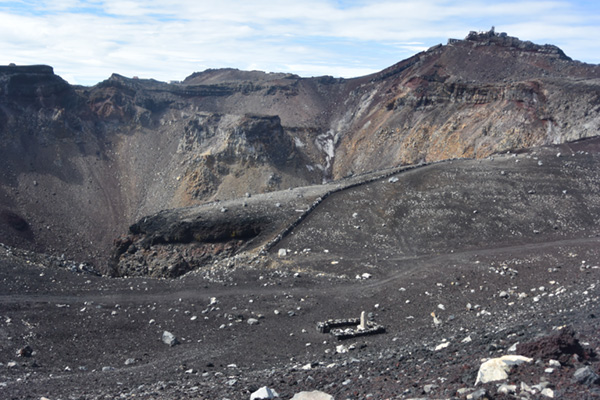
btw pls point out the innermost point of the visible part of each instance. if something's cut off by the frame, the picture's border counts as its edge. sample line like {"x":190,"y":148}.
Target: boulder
{"x":586,"y":376}
{"x":263,"y":393}
{"x":314,"y":395}
{"x":496,"y":369}
{"x":560,"y":346}
{"x":169,"y":338}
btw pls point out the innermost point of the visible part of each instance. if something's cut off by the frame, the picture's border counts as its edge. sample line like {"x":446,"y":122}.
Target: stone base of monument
{"x":349,"y":328}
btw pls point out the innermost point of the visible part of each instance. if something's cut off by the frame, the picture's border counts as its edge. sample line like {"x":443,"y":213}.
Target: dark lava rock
{"x":26,"y":351}
{"x":561,"y":346}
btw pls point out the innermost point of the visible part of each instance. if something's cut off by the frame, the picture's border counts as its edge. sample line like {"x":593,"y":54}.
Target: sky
{"x":88,"y":40}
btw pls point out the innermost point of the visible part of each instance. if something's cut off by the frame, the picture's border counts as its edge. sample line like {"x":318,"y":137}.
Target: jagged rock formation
{"x":110,"y":154}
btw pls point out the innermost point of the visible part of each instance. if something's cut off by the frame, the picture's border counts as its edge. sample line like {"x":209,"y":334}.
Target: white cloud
{"x":87,"y":40}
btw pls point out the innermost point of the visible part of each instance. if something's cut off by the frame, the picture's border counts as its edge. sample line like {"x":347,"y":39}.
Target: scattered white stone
{"x":341,"y":349}
{"x":436,"y":320}
{"x":479,"y":394}
{"x":169,"y":338}
{"x":548,"y":393}
{"x":507,"y":389}
{"x":442,"y":346}
{"x":497,"y":369}
{"x":264,"y":393}
{"x":554,"y":363}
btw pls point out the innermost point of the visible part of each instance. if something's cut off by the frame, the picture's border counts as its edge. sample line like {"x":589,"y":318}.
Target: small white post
{"x":363,"y":322}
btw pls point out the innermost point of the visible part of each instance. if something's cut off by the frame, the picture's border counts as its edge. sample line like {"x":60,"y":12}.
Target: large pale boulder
{"x":264,"y":393}
{"x":314,"y":395}
{"x":497,"y":369}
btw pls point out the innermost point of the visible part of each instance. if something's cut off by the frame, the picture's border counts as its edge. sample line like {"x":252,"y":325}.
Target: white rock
{"x":442,"y":346}
{"x":341,"y":349}
{"x":554,"y":363}
{"x":282,"y":253}
{"x":366,"y":275}
{"x":497,"y":369}
{"x":548,"y":393}
{"x":252,"y":321}
{"x":467,"y":340}
{"x":507,"y":389}
{"x":263,"y":393}
{"x":169,"y":338}
{"x":441,"y":307}
{"x":314,"y":395}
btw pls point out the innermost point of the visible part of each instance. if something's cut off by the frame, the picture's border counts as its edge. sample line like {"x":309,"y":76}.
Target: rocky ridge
{"x":132,"y":147}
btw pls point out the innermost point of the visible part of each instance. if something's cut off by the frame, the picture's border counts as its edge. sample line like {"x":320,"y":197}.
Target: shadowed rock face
{"x":110,"y":154}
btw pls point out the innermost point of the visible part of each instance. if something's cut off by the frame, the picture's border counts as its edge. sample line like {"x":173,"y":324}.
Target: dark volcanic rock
{"x":561,"y":346}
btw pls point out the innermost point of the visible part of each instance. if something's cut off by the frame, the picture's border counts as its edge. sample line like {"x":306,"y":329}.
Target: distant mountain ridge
{"x":109,"y":154}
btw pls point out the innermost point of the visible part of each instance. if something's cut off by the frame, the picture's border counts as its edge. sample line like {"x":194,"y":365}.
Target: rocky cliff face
{"x":110,"y":154}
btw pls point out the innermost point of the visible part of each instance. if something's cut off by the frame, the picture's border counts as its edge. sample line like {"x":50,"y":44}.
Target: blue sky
{"x":87,"y":40}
